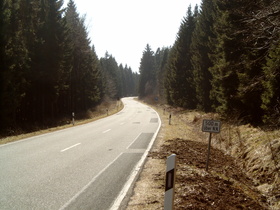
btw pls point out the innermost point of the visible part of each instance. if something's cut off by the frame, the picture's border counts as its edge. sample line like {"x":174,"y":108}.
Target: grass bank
{"x":243,"y":171}
{"x":103,"y":110}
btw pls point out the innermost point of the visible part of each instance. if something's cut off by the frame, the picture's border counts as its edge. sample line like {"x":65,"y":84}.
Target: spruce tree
{"x":161,"y":57}
{"x":271,"y":94}
{"x":110,"y":75}
{"x":14,"y":63}
{"x":180,"y":71}
{"x":85,"y":72}
{"x":147,"y":80}
{"x":200,"y":50}
{"x":224,"y":57}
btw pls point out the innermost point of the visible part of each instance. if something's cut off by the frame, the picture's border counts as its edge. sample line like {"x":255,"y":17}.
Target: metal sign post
{"x":208,"y":153}
{"x":211,"y":126}
{"x":170,"y":182}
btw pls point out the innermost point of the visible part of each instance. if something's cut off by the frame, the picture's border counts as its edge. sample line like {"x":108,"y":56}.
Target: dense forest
{"x":225,"y":59}
{"x":48,"y":67}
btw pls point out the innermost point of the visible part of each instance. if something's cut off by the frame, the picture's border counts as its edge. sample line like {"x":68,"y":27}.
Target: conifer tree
{"x":271,"y":94}
{"x":85,"y":73}
{"x":161,"y":57}
{"x":44,"y":33}
{"x":258,"y":44}
{"x":180,"y":71}
{"x":147,"y":80}
{"x":225,"y":80}
{"x":14,"y":62}
{"x":200,"y":50}
{"x":168,"y":79}
{"x":110,"y":70}
{"x":237,"y":69}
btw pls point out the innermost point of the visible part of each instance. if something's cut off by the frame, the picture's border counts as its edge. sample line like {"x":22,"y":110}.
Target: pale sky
{"x":125,"y":27}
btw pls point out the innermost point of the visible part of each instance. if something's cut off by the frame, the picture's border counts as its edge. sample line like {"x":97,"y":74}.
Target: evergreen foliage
{"x":181,"y":90}
{"x":49,"y":68}
{"x":271,"y":93}
{"x":224,"y":74}
{"x":200,"y":55}
{"x":161,"y":57}
{"x":110,"y":70}
{"x":118,"y":81}
{"x":147,"y":80}
{"x":225,"y":59}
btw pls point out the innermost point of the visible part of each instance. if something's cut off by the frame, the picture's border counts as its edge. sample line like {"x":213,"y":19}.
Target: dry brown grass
{"x":99,"y":112}
{"x":255,"y":152}
{"x":148,"y":191}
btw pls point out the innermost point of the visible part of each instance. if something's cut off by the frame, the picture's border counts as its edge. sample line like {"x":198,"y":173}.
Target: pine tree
{"x":132,"y":81}
{"x":46,"y":53}
{"x":181,"y":90}
{"x":110,"y":74}
{"x":257,"y":43}
{"x":161,"y":57}
{"x":237,"y":70}
{"x":225,"y":58}
{"x":147,"y":81}
{"x":169,"y":79}
{"x":200,"y":50}
{"x":271,"y":94}
{"x":85,"y":76}
{"x":14,"y":62}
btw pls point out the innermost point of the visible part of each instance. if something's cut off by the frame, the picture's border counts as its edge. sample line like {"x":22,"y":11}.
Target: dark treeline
{"x":49,"y":68}
{"x":118,"y":81}
{"x":225,"y":59}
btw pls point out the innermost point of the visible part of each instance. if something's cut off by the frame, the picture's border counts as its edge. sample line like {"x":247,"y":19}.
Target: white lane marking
{"x":106,"y":131}
{"x":90,"y":183}
{"x":133,"y":141}
{"x":135,"y":172}
{"x":70,"y":147}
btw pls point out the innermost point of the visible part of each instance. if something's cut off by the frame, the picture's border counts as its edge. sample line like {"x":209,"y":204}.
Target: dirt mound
{"x":224,"y":187}
{"x":243,"y":171}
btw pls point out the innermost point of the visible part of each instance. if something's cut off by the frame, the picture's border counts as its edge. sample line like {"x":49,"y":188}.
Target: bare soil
{"x":235,"y":179}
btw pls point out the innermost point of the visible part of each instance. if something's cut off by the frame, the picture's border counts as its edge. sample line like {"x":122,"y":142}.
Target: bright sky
{"x":125,"y":27}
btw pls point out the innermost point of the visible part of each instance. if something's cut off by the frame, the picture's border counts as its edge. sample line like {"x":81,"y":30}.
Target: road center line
{"x":88,"y":184}
{"x":106,"y":131}
{"x":70,"y":147}
{"x":133,"y":141}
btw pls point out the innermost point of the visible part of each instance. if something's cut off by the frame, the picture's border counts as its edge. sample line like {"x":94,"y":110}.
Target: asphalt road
{"x":84,"y":167}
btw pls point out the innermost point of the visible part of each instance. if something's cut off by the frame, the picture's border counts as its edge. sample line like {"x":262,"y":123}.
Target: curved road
{"x":84,"y":167}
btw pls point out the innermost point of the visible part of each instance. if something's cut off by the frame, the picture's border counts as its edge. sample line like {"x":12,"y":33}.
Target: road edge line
{"x":88,"y":184}
{"x":120,"y":202}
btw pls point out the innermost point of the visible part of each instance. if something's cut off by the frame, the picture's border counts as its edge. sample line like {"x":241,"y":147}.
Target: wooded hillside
{"x":226,"y":59}
{"x":48,"y":67}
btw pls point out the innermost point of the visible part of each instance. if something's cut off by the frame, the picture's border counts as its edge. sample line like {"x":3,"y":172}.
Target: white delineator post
{"x":73,"y":118}
{"x":170,"y":182}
